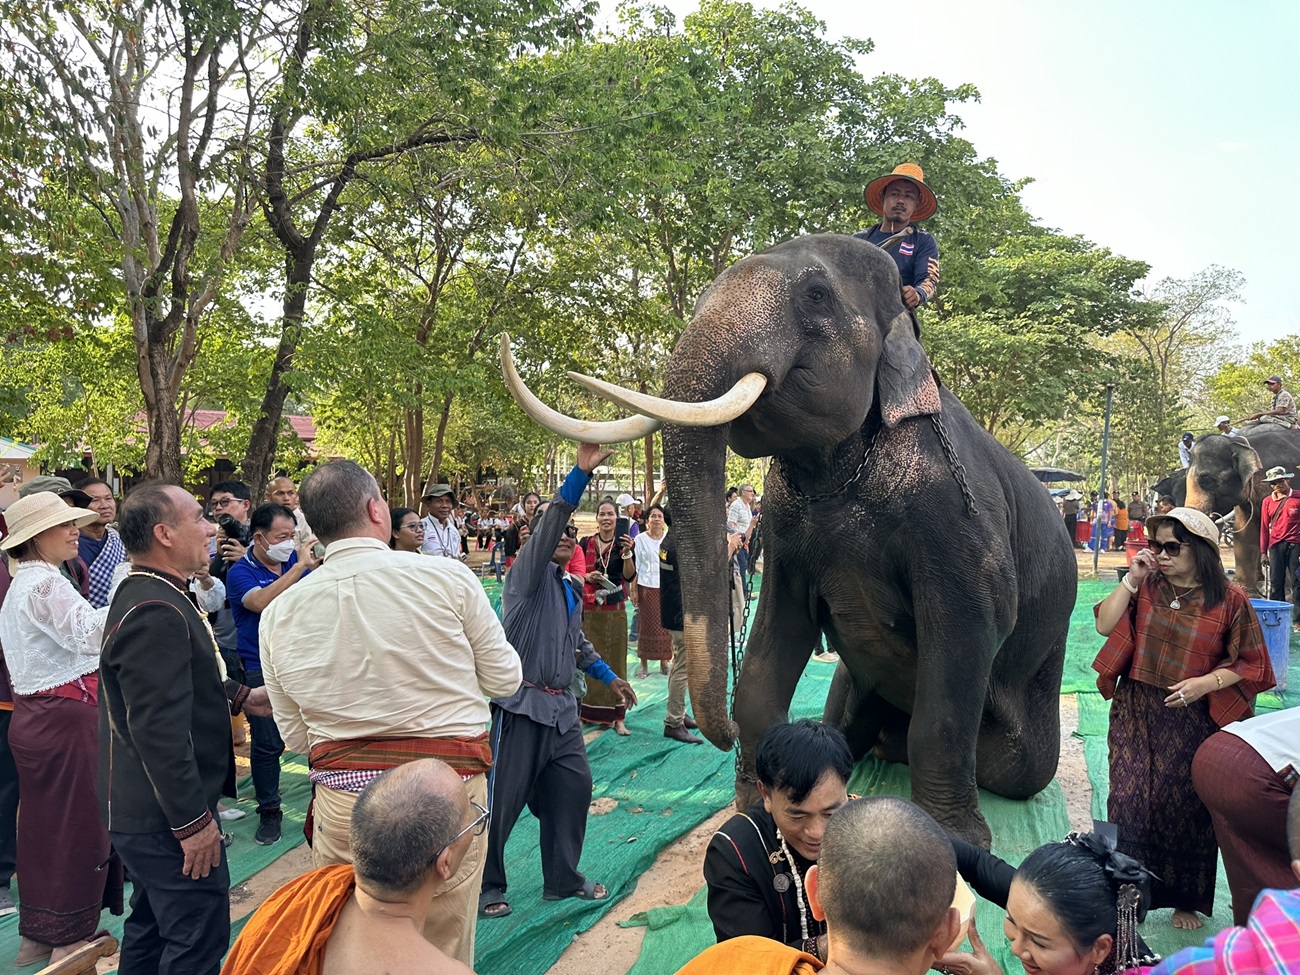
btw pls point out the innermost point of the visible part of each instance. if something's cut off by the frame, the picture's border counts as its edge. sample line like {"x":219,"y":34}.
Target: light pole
{"x":1101,"y":494}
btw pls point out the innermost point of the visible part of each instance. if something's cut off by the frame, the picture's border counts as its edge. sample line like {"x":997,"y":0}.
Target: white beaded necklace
{"x":798,"y":887}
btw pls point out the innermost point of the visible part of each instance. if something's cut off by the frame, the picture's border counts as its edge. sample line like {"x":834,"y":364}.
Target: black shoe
{"x":269,"y":830}
{"x":682,"y":735}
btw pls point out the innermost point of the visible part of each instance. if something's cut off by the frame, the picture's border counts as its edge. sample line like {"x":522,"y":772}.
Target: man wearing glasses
{"x":234,"y":499}
{"x":411,"y":829}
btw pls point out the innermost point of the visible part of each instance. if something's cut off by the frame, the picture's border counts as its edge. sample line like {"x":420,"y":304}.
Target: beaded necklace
{"x":798,"y":887}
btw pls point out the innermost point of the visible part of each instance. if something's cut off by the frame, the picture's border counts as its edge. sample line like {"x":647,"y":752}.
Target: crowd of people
{"x":356,"y":634}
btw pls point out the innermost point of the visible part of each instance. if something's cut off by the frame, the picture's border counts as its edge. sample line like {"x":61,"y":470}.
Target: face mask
{"x":280,"y":551}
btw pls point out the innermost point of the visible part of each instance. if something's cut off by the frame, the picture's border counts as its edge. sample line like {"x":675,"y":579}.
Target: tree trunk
{"x":260,"y":456}
{"x":162,"y":457}
{"x":436,"y":464}
{"x":649,"y":486}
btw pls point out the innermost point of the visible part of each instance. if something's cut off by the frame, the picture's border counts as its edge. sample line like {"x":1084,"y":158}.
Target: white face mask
{"x":280,"y":551}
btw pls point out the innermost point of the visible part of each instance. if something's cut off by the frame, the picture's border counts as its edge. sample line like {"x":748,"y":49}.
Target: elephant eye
{"x":816,"y":295}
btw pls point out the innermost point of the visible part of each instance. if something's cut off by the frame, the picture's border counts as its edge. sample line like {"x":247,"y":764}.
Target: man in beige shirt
{"x":378,"y":658}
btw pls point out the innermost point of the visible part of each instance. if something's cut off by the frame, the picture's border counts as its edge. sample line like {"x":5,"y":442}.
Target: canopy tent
{"x":1049,"y":475}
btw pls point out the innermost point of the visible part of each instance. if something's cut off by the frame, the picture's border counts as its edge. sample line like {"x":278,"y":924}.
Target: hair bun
{"x":1120,"y":868}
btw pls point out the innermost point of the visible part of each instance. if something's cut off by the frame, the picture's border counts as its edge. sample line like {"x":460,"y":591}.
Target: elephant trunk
{"x":1197,"y":496}
{"x":694,"y":467}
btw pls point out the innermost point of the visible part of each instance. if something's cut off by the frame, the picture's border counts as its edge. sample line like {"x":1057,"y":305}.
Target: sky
{"x":1166,"y":131}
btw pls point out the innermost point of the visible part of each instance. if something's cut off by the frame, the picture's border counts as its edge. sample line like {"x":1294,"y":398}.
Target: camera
{"x":235,"y":531}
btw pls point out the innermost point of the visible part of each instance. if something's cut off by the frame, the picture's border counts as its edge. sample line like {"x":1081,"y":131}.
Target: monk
{"x":411,"y":828}
{"x":884,"y":885}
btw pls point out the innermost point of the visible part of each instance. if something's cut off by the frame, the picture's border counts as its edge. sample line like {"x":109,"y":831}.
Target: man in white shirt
{"x":441,"y":534}
{"x":378,"y":658}
{"x":1224,"y":425}
{"x":740,"y":519}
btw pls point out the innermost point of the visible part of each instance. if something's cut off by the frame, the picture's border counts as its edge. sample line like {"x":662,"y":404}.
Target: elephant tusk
{"x":580,"y":431}
{"x":712,"y":413}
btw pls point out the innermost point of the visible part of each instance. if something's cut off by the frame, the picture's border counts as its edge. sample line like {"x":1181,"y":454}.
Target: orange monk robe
{"x":287,"y":934}
{"x":751,"y":955}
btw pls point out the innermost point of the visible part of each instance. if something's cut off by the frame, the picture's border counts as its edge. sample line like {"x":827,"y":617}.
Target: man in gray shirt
{"x":539,"y":759}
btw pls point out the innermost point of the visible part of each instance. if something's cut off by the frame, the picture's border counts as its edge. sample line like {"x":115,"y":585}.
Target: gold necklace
{"x":203,"y":614}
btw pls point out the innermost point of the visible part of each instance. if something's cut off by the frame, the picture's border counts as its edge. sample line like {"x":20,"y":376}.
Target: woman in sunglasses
{"x":1184,"y":656}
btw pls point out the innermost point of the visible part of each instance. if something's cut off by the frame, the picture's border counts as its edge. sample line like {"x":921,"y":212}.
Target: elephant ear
{"x":905,"y":382}
{"x":1250,"y":469}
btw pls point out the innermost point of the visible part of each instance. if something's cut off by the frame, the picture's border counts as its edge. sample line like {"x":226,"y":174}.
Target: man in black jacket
{"x":164,"y":741}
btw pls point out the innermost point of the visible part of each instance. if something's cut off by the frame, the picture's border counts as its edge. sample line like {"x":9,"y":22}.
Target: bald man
{"x":411,"y":828}
{"x":282,"y":490}
{"x":884,"y":884}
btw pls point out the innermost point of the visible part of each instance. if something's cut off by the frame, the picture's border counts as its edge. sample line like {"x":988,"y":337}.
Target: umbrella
{"x":1049,"y":475}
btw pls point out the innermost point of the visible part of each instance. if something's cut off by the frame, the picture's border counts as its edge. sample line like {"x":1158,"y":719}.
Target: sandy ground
{"x":607,"y":949}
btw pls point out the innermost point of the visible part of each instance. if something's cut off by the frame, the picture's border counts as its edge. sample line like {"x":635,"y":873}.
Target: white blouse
{"x":645,"y":552}
{"x":50,"y":634}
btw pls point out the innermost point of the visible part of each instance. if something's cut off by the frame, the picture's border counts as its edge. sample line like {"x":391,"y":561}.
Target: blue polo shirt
{"x":242,"y":578}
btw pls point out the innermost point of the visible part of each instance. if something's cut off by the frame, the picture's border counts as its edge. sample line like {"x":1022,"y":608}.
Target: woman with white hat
{"x":51,"y":638}
{"x":1184,"y":656}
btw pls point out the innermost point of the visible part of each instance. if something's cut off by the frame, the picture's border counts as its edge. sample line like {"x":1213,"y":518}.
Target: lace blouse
{"x":50,"y":634}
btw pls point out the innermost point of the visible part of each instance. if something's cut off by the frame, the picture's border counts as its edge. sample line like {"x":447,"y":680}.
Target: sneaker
{"x":269,"y":830}
{"x":7,"y":905}
{"x":229,"y":814}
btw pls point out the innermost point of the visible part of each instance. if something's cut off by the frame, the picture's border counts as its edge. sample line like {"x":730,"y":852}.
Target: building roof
{"x":303,"y":426}
{"x":17,"y":450}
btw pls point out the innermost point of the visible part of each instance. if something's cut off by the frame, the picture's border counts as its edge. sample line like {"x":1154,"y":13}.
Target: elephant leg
{"x":891,"y":742}
{"x":955,"y":658}
{"x":779,"y":647}
{"x":860,"y":717}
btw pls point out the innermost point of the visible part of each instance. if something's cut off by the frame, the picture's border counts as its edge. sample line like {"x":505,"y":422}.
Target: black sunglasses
{"x":1169,"y":548}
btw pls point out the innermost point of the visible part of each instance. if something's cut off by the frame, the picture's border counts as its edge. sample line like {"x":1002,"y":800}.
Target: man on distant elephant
{"x":902,"y":199}
{"x":1283,"y":412}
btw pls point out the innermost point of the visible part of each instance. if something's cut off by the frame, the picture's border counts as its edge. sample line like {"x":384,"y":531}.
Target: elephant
{"x":894,"y":525}
{"x":1227,"y":475}
{"x":1173,"y":486}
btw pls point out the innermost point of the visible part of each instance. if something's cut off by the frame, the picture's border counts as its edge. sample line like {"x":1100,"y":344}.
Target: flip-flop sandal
{"x":490,"y":898}
{"x":82,"y":961}
{"x":587,"y":892}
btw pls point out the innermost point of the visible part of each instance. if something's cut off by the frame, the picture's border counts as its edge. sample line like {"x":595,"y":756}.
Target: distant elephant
{"x":895,"y":525}
{"x":1174,"y":486}
{"x":1227,"y":474}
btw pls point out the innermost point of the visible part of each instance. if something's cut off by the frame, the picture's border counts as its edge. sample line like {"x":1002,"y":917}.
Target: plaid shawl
{"x":110,"y":556}
{"x":1157,"y":645}
{"x":1269,"y":944}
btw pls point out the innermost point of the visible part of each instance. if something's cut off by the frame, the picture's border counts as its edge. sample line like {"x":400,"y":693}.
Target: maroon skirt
{"x":653,"y":642}
{"x":63,"y":851}
{"x":1161,"y":820}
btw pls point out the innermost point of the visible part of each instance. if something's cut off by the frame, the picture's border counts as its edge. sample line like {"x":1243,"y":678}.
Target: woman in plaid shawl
{"x":1191,"y":656}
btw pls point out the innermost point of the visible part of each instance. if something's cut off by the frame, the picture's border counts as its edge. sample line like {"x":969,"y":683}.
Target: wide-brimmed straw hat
{"x":1196,"y":522}
{"x":28,"y":517}
{"x":875,"y":191}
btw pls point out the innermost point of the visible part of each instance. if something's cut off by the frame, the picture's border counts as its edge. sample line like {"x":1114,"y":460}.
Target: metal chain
{"x":737,"y":641}
{"x":954,"y":464}
{"x":857,"y":475}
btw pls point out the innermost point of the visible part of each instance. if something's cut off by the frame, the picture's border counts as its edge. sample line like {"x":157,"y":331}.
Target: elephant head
{"x":1225,"y":474}
{"x":788,"y":354}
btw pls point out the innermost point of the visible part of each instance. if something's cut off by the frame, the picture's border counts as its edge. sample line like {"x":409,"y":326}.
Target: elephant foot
{"x":746,"y":793}
{"x":966,"y":824}
{"x":891,"y":746}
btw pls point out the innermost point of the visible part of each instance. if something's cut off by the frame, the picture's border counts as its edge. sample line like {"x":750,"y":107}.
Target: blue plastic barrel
{"x":1275,"y":619}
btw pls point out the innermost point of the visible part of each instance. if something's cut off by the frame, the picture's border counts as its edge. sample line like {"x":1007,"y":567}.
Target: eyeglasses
{"x":478,"y":826}
{"x":1169,"y":548}
{"x":222,"y":502}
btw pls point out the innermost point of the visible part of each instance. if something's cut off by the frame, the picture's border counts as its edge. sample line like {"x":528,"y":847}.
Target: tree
{"x":142,"y":119}
{"x":362,"y":89}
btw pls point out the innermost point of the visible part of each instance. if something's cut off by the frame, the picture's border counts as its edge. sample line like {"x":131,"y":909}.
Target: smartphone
{"x":622,"y":527}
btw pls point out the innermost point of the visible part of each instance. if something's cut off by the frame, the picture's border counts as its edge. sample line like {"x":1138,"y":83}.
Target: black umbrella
{"x":1049,"y":475}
